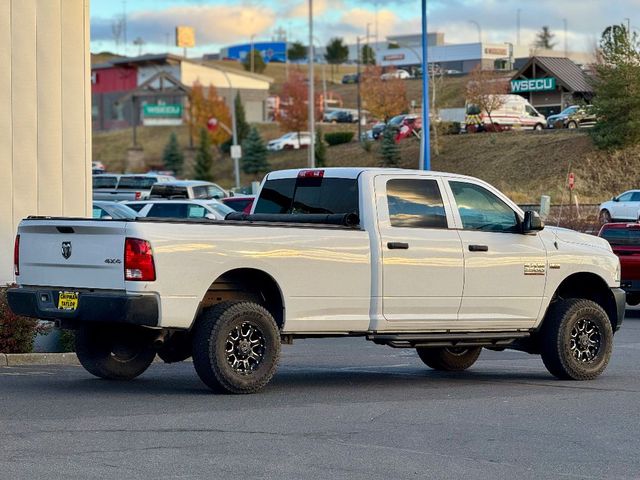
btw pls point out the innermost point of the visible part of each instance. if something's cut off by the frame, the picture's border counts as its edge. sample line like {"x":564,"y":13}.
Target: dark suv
{"x":585,"y":116}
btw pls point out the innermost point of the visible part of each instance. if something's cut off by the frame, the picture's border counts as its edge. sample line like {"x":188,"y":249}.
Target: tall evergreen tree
{"x":254,"y":154}
{"x":336,"y":53}
{"x":368,"y":55}
{"x":389,"y":150}
{"x":172,"y":156}
{"x":617,"y":89}
{"x":544,"y":39}
{"x":242,"y":126}
{"x":259,"y":65}
{"x":204,"y":159}
{"x":296,"y":52}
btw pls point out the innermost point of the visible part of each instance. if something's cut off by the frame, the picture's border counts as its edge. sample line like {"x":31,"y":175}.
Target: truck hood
{"x":571,"y":236}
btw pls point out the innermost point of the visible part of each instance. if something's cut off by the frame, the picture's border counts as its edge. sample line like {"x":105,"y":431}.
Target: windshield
{"x":569,"y":111}
{"x":103,"y":181}
{"x":220,"y":208}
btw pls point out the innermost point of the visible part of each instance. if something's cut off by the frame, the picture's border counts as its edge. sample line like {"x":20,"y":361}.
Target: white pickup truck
{"x":442,"y":263}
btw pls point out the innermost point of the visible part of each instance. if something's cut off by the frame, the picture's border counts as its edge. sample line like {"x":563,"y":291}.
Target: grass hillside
{"x":524,"y":165}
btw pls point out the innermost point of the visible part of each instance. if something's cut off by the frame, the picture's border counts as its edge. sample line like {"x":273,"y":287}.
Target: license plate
{"x":68,"y":301}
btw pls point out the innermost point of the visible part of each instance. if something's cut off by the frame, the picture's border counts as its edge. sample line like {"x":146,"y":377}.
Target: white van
{"x":515,"y":112}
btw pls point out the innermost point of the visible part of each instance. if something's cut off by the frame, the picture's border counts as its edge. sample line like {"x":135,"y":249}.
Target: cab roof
{"x":355,"y":172}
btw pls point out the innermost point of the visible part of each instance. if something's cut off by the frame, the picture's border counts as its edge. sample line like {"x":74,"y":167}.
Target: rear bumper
{"x":620,"y":297}
{"x":109,"y":307}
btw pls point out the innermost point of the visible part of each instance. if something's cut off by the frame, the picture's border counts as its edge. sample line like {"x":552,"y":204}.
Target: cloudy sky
{"x":224,"y":22}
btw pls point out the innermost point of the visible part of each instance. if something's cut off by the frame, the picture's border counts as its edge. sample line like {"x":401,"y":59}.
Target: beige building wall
{"x":193,"y":72}
{"x":45,"y":120}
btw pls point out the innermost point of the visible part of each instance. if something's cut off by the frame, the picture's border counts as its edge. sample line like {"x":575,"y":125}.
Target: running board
{"x":449,"y":339}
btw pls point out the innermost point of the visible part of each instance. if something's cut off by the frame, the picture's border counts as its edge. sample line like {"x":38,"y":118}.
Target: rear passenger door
{"x":422,"y":258}
{"x":504,"y":270}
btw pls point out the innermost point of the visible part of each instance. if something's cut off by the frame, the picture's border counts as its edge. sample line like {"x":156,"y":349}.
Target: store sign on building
{"x":496,"y":51}
{"x":393,"y":57}
{"x":533,"y":85}
{"x":168,"y":114}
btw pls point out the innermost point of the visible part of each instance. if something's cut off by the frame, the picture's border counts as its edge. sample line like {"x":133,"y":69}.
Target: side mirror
{"x":532,"y":222}
{"x":615,"y":199}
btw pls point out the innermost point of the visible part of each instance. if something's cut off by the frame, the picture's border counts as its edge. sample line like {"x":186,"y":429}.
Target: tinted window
{"x":622,"y":236}
{"x":482,"y":210}
{"x":168,"y":191}
{"x":168,"y":210}
{"x":635,"y":197}
{"x":276,"y":196}
{"x":196,"y":211}
{"x":240,"y":204}
{"x":99,"y":212}
{"x":415,"y":203}
{"x":309,"y":195}
{"x":102,"y":181}
{"x":136,"y":206}
{"x":136,"y":182}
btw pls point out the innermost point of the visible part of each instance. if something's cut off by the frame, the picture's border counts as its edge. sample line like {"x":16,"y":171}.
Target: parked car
{"x":97,"y":168}
{"x":377,"y":130}
{"x":441,"y":263}
{"x":515,"y":112}
{"x":558,"y":120}
{"x":290,"y":141}
{"x":399,"y":73}
{"x":112,"y":210}
{"x":410,"y":125}
{"x":211,"y":209}
{"x":127,"y":186}
{"x":584,"y":116}
{"x":240,"y":203}
{"x":192,"y":189}
{"x":624,"y":239}
{"x":623,"y":207}
{"x":350,"y":78}
{"x":340,"y":116}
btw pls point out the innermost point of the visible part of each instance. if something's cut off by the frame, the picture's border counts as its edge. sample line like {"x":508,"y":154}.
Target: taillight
{"x":138,"y":261}
{"x":138,"y":195}
{"x":16,"y":256}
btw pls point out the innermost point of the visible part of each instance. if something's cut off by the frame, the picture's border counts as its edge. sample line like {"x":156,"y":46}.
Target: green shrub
{"x":367,"y":145}
{"x":336,"y":138}
{"x":67,"y":340}
{"x":16,"y":333}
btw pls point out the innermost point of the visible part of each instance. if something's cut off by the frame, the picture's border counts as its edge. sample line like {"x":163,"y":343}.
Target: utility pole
{"x":312,"y":126}
{"x":124,"y":25}
{"x":358,"y":81}
{"x":479,"y":30}
{"x":518,"y":27}
{"x":566,"y":41}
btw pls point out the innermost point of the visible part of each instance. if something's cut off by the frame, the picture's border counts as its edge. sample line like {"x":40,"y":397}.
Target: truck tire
{"x":114,"y":352}
{"x":236,"y":347}
{"x":576,"y":339}
{"x":449,"y":359}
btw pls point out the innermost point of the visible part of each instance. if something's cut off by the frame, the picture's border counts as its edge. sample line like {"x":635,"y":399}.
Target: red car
{"x":240,"y":203}
{"x":625,"y":242}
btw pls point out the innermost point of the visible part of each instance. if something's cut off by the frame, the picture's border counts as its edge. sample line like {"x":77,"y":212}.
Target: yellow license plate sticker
{"x":68,"y":301}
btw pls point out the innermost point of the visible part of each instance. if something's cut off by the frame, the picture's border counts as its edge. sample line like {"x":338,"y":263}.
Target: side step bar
{"x":448,"y":339}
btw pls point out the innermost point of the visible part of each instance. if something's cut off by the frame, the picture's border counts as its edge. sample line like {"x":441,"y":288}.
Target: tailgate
{"x":72,"y":253}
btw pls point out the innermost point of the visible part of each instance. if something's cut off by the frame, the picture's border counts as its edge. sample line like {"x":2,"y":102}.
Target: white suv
{"x":290,"y":141}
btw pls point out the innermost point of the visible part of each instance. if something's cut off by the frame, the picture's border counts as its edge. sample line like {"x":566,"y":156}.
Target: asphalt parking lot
{"x":339,"y":409}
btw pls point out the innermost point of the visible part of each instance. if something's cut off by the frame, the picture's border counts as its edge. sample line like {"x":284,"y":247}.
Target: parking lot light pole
{"x":312,"y":110}
{"x":358,"y":79}
{"x":425,"y":143}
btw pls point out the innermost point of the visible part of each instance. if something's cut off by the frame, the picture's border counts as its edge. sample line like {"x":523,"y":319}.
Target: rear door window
{"x":133,"y":183}
{"x":415,"y":203}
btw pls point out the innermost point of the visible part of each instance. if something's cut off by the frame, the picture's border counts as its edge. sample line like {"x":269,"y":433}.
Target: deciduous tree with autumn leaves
{"x":205,"y":105}
{"x":383,"y":98}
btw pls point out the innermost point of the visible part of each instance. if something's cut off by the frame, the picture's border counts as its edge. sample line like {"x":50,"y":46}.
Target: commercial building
{"x":552,"y":84}
{"x":113,"y":84}
{"x":270,"y":51}
{"x":45,"y":129}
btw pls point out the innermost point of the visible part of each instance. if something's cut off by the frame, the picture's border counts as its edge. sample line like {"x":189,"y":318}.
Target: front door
{"x":504,"y":270}
{"x":422,"y":258}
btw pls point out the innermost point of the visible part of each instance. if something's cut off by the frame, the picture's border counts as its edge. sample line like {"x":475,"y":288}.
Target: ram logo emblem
{"x":66,"y":249}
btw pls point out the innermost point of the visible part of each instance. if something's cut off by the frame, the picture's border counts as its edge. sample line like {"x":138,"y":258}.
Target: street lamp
{"x":425,"y":140}
{"x":479,"y":30}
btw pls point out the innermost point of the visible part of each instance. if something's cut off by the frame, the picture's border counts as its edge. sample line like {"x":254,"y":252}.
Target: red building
{"x":109,"y":83}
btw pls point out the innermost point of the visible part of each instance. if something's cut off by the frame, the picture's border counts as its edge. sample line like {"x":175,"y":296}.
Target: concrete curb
{"x":18,"y":359}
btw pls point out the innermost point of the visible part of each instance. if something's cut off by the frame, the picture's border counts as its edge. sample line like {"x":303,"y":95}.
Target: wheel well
{"x":591,"y":287}
{"x":250,"y":285}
